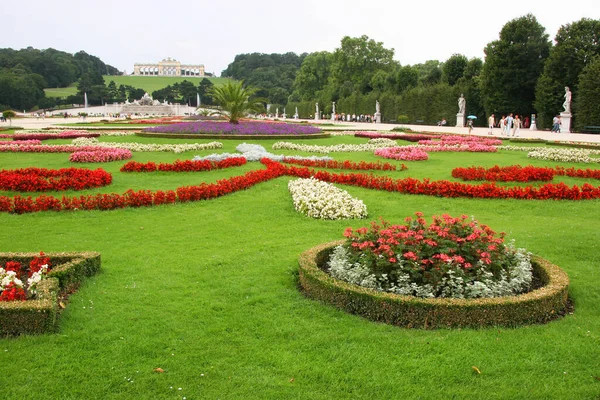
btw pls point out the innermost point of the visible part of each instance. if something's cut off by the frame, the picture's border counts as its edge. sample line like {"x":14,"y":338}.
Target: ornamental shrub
{"x":451,"y":258}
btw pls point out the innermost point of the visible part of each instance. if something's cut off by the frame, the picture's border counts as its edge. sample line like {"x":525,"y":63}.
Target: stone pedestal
{"x":460,"y":120}
{"x":565,"y":122}
{"x":533,"y":127}
{"x":377,"y":118}
{"x":316,"y":117}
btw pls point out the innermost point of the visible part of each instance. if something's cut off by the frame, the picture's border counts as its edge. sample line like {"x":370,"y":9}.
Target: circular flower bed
{"x":43,"y":180}
{"x":451,"y":273}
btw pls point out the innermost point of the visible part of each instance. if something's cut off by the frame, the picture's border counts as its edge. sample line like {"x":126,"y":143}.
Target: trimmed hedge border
{"x":40,"y":315}
{"x":538,"y":306}
{"x":232,"y":137}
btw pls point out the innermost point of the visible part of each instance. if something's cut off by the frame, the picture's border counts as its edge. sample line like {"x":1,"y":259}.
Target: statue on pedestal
{"x":462,"y":104}
{"x":377,"y":107}
{"x":317,"y":115}
{"x":567,"y":103}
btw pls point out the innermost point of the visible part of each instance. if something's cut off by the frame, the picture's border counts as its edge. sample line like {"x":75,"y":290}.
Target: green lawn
{"x":207,"y":291}
{"x":148,"y":83}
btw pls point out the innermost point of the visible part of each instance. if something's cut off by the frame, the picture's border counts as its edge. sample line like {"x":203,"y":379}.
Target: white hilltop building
{"x":168,"y":67}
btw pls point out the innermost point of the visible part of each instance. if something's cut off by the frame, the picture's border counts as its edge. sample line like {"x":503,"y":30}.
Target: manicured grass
{"x":207,"y":291}
{"x":148,"y":83}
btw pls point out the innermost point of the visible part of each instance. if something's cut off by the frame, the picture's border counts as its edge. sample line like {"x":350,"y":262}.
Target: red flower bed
{"x":513,"y":173}
{"x":442,"y":188}
{"x":333,"y":164}
{"x":577,"y":173}
{"x":183,"y":166}
{"x":43,"y":180}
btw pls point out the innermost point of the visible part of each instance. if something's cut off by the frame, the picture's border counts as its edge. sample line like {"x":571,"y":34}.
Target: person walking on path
{"x":491,"y":123}
{"x":517,"y":126}
{"x":509,"y":124}
{"x":502,"y":125}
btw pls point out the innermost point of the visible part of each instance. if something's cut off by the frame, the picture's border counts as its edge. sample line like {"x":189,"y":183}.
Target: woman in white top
{"x":517,"y":126}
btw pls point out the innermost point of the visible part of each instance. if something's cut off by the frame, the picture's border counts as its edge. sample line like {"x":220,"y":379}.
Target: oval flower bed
{"x":448,"y":274}
{"x":44,"y":180}
{"x":322,"y":200}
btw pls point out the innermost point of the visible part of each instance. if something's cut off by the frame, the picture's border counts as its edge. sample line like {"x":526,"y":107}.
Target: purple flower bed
{"x":243,"y":128}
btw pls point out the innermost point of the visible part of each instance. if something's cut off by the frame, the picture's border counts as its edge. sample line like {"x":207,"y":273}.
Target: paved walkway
{"x":34,"y":123}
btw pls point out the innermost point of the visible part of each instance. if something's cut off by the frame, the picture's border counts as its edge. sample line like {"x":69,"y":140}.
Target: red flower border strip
{"x":517,"y":173}
{"x":442,"y":188}
{"x":333,"y":164}
{"x":44,"y":180}
{"x":183,"y":166}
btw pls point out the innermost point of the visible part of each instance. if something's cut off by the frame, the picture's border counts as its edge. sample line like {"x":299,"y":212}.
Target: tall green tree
{"x":513,"y":66}
{"x":454,"y":68}
{"x":204,"y":88}
{"x":586,"y":103}
{"x":313,"y":75}
{"x":236,"y":101}
{"x":357,"y":60}
{"x":576,"y":46}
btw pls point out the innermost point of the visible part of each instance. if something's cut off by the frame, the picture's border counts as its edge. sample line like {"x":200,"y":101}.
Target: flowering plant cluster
{"x":45,"y":148}
{"x":183,"y":166}
{"x":43,"y":180}
{"x":321,"y":200}
{"x":100,"y":155}
{"x":31,"y":142}
{"x":342,"y":148}
{"x":12,"y":276}
{"x":452,"y":140}
{"x":565,"y":155}
{"x":243,"y":128}
{"x":48,"y":135}
{"x":394,"y":136}
{"x":145,"y":147}
{"x":405,"y":153}
{"x":351,"y":165}
{"x":451,"y":257}
{"x":513,"y":173}
{"x":254,"y":152}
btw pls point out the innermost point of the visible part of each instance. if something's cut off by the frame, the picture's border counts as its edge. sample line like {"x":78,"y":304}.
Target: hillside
{"x":148,"y":83}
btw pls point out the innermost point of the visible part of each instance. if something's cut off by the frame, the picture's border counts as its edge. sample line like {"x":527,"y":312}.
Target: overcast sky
{"x":123,"y":32}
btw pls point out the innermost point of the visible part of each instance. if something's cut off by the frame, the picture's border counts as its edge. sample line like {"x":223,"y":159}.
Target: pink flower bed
{"x":46,"y":136}
{"x":395,"y":136}
{"x":33,"y":142}
{"x":465,"y":147}
{"x":403,"y":153}
{"x":100,"y":155}
{"x":460,"y":140}
{"x":44,"y":148}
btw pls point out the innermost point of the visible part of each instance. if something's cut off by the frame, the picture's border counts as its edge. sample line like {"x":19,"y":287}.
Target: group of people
{"x":352,"y":117}
{"x":556,"y":123}
{"x":508,"y":124}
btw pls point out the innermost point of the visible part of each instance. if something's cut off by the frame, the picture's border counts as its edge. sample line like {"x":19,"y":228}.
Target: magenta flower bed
{"x":243,"y":128}
{"x":403,"y":153}
{"x":46,"y":136}
{"x":100,"y":155}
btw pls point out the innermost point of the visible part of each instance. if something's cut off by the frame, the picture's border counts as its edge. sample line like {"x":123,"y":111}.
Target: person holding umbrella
{"x":470,"y":123}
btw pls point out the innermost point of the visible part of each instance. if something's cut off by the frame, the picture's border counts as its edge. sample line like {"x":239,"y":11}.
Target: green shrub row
{"x":40,"y":315}
{"x":538,"y":306}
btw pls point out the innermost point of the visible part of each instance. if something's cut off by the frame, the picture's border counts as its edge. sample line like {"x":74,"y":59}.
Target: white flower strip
{"x":338,"y":148}
{"x":254,"y":152}
{"x":318,"y":199}
{"x":143,"y":147}
{"x":8,"y":277}
{"x":565,"y":155}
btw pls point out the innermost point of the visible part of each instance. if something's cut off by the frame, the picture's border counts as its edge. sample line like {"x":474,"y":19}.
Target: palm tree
{"x":234,"y":99}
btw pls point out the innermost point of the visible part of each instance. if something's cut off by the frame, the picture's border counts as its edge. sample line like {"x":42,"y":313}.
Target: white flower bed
{"x":254,"y":152}
{"x":143,"y":147}
{"x":318,"y":199}
{"x":338,"y":148}
{"x":565,"y":155}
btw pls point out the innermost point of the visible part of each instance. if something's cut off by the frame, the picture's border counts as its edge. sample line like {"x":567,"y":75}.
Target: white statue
{"x":296,"y":114}
{"x":567,"y":103}
{"x":333,"y":108}
{"x":377,"y":107}
{"x":277,"y":112}
{"x":462,"y":104}
{"x":317,"y":111}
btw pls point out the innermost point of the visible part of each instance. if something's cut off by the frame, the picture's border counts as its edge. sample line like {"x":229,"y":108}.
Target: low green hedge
{"x":538,"y":306}
{"x":40,"y":315}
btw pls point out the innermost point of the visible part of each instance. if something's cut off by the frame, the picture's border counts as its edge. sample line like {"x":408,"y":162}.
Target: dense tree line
{"x":25,"y":73}
{"x":523,"y":73}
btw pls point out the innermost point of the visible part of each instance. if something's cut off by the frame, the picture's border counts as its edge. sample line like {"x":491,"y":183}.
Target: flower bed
{"x":44,"y":180}
{"x":254,"y":152}
{"x":32,"y":142}
{"x":47,"y":135}
{"x":403,"y":153}
{"x":539,"y":305}
{"x":321,"y":200}
{"x":451,"y":140}
{"x":395,"y":136}
{"x":565,"y":155}
{"x":38,"y":314}
{"x":100,"y":155}
{"x":513,"y":173}
{"x":143,"y":147}
{"x":243,"y":128}
{"x":341,"y":148}
{"x":183,"y":166}
{"x":333,"y":164}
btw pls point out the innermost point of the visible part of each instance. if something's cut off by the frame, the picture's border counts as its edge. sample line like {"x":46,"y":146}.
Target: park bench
{"x":591,"y":129}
